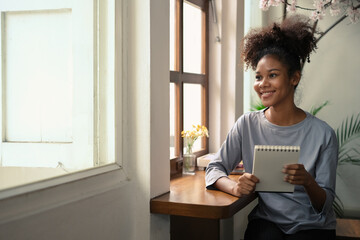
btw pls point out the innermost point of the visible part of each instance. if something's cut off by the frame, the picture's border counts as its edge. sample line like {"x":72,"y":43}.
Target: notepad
{"x":268,"y":164}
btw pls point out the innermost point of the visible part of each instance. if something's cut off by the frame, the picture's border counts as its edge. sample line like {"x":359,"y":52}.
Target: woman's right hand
{"x":246,"y":184}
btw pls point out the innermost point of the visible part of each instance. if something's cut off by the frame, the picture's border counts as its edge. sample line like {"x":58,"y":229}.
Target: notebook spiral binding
{"x":276,"y":148}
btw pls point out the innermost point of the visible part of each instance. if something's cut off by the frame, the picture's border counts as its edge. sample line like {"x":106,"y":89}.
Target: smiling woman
{"x":277,"y":53}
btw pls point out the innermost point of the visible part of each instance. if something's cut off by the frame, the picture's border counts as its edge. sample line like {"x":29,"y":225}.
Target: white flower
{"x":319,"y":5}
{"x":335,"y":9}
{"x":275,"y":3}
{"x":292,"y":6}
{"x":264,"y":5}
{"x":315,"y":15}
{"x":354,"y":14}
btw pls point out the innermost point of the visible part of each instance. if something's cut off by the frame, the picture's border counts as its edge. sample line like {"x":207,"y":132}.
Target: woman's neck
{"x":285,"y":116}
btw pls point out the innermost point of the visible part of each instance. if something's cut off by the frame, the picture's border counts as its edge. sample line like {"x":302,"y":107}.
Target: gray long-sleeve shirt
{"x":319,"y":154}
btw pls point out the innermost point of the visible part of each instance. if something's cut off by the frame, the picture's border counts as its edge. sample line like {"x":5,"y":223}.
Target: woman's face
{"x":272,"y":84}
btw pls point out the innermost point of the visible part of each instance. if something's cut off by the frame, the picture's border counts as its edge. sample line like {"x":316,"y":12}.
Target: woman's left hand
{"x":297,"y":174}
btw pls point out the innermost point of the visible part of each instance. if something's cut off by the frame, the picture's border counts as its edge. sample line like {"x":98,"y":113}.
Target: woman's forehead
{"x":270,"y":62}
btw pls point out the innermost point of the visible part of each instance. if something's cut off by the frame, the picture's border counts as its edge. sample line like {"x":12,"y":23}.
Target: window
{"x":57,"y":88}
{"x":188,"y":75}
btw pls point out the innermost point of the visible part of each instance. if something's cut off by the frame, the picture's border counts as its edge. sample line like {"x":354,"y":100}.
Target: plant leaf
{"x":257,"y":106}
{"x":349,"y":127}
{"x":315,"y":110}
{"x":338,"y":207}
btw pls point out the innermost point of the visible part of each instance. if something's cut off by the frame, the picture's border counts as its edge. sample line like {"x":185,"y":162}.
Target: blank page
{"x":268,"y":164}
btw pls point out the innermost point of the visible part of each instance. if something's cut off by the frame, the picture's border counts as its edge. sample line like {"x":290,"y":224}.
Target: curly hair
{"x":291,"y":41}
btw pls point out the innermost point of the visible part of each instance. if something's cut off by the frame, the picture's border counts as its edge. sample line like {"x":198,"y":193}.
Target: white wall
{"x":332,"y":73}
{"x":122,"y":213}
{"x":225,"y":73}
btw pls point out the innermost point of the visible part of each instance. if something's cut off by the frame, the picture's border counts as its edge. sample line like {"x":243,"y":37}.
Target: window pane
{"x":39,"y":97}
{"x":172,"y":121}
{"x":172,"y":35}
{"x":51,"y":96}
{"x":192,"y":109}
{"x":192,"y":39}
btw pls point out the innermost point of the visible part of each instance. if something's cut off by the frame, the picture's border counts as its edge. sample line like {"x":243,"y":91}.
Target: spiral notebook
{"x":268,"y":164}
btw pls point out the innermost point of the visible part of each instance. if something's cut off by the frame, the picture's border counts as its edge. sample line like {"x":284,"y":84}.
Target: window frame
{"x":179,"y":77}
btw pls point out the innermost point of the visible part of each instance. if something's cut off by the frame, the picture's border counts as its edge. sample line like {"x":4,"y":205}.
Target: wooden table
{"x":195,"y":212}
{"x":347,"y":228}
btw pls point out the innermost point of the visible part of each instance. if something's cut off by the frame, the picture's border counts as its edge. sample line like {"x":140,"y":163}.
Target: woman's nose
{"x":263,"y":83}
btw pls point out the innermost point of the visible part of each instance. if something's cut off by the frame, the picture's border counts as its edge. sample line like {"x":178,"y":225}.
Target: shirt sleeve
{"x":226,"y":159}
{"x":326,"y":171}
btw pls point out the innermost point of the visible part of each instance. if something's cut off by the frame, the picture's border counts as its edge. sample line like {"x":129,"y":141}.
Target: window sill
{"x":26,"y":200}
{"x":11,"y":177}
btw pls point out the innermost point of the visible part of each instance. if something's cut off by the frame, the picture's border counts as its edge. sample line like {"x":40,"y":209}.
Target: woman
{"x":276,"y":54}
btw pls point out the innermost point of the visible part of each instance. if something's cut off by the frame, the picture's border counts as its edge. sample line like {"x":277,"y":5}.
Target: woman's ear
{"x":296,"y":78}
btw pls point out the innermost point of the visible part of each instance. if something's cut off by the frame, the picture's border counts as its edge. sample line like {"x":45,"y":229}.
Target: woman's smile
{"x":265,"y":94}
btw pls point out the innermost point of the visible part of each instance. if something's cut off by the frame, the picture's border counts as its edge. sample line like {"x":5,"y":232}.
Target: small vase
{"x":188,"y":157}
{"x":189,"y":164}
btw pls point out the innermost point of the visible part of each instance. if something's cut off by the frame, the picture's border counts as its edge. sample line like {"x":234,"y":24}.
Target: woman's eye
{"x":258,"y":78}
{"x":272,"y":75}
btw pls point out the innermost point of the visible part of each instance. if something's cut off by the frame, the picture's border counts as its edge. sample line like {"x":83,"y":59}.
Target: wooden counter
{"x":194,"y":208}
{"x":189,"y":197}
{"x":347,"y":229}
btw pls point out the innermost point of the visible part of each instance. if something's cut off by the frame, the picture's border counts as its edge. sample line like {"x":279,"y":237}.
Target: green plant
{"x":348,"y":135}
{"x":257,"y":106}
